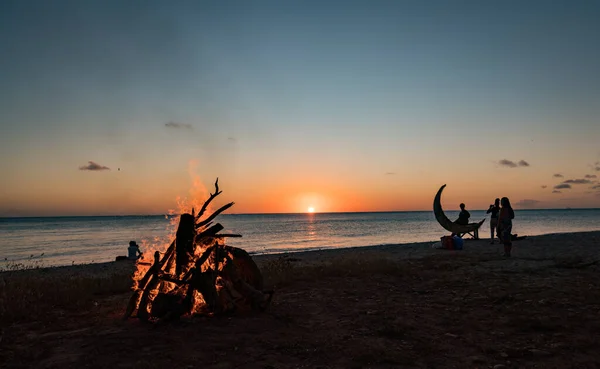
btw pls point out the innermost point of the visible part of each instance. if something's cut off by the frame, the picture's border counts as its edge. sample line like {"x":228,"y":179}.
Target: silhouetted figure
{"x":463,"y":217}
{"x":134,"y":251}
{"x":495,"y":210}
{"x":505,"y":218}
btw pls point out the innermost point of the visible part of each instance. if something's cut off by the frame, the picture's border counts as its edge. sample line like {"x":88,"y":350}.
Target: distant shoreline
{"x":298,"y":213}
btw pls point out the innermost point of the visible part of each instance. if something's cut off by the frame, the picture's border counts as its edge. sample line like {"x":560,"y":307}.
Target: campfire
{"x":199,"y":274}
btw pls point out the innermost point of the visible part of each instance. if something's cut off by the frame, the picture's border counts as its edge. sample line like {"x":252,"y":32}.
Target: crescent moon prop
{"x":447,"y":223}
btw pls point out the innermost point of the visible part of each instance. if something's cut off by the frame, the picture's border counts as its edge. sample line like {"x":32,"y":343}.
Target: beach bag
{"x":458,"y":243}
{"x":448,"y":242}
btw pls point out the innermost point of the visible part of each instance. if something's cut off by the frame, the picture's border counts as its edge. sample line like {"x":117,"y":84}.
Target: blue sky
{"x":295,"y":97}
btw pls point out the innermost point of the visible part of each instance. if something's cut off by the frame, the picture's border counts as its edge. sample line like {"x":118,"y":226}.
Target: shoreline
{"x":559,"y":245}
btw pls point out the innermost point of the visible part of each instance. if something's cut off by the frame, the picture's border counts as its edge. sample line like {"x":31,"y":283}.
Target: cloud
{"x":562,"y":186}
{"x":590,"y":176}
{"x":544,"y":186}
{"x":178,"y":125}
{"x":390,"y":173}
{"x":231,"y":139}
{"x":597,"y":168}
{"x":511,"y":164}
{"x":507,"y":163}
{"x":93,"y":166}
{"x":556,"y":191}
{"x":578,"y":181}
{"x":596,"y":187}
{"x":558,"y":175}
{"x":526,"y":203}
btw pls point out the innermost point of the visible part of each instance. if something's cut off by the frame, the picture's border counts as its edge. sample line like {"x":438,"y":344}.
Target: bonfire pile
{"x":199,"y":274}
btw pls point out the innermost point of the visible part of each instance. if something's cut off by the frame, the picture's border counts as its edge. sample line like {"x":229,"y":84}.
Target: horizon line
{"x":294,"y":213}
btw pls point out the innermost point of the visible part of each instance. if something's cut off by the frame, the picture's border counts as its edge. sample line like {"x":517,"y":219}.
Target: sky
{"x":121,"y":107}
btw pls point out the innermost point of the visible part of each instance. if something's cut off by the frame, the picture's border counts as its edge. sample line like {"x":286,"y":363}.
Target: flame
{"x":195,"y":199}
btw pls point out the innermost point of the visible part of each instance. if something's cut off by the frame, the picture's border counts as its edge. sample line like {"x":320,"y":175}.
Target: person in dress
{"x":505,"y":218}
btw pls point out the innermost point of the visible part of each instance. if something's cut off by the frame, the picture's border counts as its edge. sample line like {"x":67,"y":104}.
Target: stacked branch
{"x":199,"y":272}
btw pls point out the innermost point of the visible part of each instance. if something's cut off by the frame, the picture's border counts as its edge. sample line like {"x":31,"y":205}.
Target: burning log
{"x":209,"y":275}
{"x":184,"y":242}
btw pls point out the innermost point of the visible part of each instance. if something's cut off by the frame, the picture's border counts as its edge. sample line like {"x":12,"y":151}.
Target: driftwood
{"x":226,"y":278}
{"x":184,"y":242}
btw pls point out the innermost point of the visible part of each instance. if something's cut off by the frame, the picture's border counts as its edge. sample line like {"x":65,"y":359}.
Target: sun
{"x":310,"y":209}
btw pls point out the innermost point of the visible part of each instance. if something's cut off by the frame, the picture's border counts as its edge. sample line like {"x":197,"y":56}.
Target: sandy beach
{"x":390,"y":306}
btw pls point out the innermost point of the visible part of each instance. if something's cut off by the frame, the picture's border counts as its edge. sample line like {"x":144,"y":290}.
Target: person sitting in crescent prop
{"x":463,"y":217}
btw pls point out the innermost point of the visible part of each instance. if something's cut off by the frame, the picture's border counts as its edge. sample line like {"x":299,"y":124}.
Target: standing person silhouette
{"x":507,"y":214}
{"x":495,"y":210}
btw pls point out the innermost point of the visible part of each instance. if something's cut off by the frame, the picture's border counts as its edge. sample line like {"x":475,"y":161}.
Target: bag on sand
{"x":448,"y":242}
{"x":458,"y":243}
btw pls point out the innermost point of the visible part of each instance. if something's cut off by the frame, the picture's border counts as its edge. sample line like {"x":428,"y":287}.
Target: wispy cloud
{"x":578,"y":181}
{"x":178,"y":125}
{"x":523,"y":163}
{"x":596,"y":187}
{"x":93,"y":166}
{"x":544,"y":186}
{"x":556,"y":191}
{"x":231,"y":139}
{"x":558,"y":175}
{"x":562,"y":186}
{"x":390,"y":173}
{"x":590,"y":176}
{"x":527,"y":203}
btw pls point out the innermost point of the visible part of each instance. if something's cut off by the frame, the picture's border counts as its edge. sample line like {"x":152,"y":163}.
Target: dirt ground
{"x":443,"y":311}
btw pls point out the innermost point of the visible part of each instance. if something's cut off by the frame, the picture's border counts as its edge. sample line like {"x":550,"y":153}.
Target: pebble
{"x":477,"y":359}
{"x":539,"y":352}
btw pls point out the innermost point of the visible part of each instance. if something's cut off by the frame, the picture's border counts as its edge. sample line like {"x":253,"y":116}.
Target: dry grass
{"x":30,"y":294}
{"x":32,"y":262}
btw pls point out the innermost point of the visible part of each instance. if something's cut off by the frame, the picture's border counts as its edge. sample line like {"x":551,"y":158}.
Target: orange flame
{"x":197,"y":195}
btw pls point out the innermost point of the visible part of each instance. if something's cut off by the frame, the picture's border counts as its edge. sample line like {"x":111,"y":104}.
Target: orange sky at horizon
{"x":111,"y":193}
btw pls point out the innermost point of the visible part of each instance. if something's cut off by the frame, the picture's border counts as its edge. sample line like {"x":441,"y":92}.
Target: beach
{"x":390,"y":306}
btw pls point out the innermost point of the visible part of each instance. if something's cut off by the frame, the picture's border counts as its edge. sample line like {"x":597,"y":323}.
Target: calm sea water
{"x":67,"y":240}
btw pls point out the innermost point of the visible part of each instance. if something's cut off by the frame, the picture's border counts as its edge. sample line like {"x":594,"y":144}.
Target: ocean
{"x":54,"y":241}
